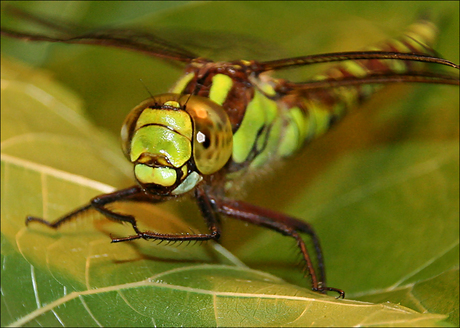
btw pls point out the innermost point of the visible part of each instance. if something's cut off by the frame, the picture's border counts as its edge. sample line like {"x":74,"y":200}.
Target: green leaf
{"x":381,"y":189}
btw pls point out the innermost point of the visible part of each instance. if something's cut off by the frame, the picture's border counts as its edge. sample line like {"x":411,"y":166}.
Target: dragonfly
{"x":223,"y":122}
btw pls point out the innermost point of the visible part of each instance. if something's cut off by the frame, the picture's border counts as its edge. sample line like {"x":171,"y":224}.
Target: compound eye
{"x":213,"y":137}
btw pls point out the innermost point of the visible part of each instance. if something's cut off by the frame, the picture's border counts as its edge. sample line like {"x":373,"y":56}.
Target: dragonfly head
{"x":174,"y":140}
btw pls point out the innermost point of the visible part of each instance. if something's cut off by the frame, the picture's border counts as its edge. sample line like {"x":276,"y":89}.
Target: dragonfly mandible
{"x":225,"y":121}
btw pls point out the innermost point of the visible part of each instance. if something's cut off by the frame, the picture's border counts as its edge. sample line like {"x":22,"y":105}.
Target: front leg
{"x":207,"y":210}
{"x":96,"y":203}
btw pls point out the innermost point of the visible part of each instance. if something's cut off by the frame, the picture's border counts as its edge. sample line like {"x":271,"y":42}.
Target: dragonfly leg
{"x":118,"y":195}
{"x":135,"y":193}
{"x":56,"y":224}
{"x":99,"y":203}
{"x":287,"y":226}
{"x":206,"y":209}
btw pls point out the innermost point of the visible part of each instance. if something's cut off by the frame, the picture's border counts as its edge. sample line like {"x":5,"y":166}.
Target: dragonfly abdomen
{"x":311,"y":113}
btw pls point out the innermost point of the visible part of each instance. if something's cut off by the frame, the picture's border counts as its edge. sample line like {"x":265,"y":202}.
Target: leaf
{"x":381,"y":189}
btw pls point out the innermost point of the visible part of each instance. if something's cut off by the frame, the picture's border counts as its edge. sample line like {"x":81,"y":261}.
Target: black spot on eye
{"x":207,"y":142}
{"x":203,"y":138}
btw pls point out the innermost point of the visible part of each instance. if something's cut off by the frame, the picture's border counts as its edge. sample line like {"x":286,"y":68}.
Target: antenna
{"x":147,"y":89}
{"x":185,"y":104}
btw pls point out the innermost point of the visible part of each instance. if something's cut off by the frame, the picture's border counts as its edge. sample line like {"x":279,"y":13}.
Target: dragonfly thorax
{"x":174,"y":140}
